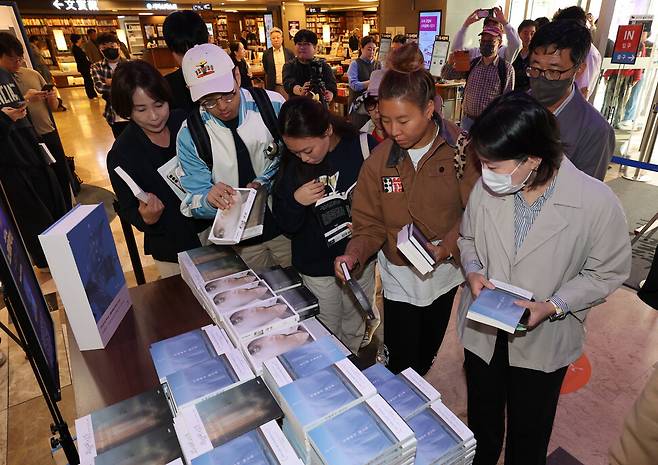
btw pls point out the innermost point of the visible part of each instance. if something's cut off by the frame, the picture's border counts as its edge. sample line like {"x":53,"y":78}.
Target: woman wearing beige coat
{"x":534,"y":221}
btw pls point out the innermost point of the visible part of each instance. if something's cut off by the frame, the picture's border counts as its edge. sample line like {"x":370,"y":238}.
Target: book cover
{"x":334,"y":212}
{"x":435,"y":438}
{"x":300,"y":298}
{"x":255,"y":293}
{"x":496,"y":307}
{"x":378,"y":374}
{"x":230,"y":282}
{"x":280,"y":279}
{"x":114,"y":425}
{"x":265,"y":347}
{"x":308,"y":359}
{"x":157,"y":447}
{"x":171,"y":172}
{"x":200,"y":380}
{"x":411,"y":253}
{"x":256,"y":219}
{"x":419,"y":240}
{"x":234,"y":412}
{"x":355,"y":436}
{"x":228,"y":226}
{"x":85,"y":266}
{"x":209,"y":253}
{"x":256,"y":320}
{"x":402,"y":396}
{"x":221,"y":267}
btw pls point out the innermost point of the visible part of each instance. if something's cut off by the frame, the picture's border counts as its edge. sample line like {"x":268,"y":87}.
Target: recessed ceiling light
{"x":145,"y":14}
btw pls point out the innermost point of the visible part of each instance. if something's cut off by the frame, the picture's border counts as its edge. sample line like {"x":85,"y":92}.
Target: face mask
{"x":501,"y":184}
{"x":487,"y":49}
{"x":548,"y":92}
{"x":111,"y":53}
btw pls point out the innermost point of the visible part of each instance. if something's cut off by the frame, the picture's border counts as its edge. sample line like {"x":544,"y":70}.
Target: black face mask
{"x":487,"y":49}
{"x":549,"y":92}
{"x":111,"y":53}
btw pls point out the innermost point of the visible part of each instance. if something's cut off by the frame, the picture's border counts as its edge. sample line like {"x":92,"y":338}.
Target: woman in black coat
{"x":237,"y":55}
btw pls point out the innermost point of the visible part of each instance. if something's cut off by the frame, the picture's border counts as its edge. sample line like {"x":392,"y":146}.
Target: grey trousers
{"x":338,"y":308}
{"x":270,"y":253}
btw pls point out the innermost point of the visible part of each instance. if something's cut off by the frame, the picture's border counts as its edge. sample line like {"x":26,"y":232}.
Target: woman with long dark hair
{"x":323,"y":158}
{"x":538,"y":223}
{"x":237,"y":55}
{"x":412,"y":177}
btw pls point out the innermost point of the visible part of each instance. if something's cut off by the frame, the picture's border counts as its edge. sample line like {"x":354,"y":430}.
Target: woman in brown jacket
{"x":413,"y":177}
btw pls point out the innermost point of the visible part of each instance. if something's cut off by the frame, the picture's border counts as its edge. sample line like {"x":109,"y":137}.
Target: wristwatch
{"x":559,"y":314}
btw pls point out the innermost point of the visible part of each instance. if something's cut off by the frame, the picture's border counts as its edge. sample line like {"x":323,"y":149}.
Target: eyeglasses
{"x":371,"y":103}
{"x":304,"y":44}
{"x":211,"y":103}
{"x":549,"y":74}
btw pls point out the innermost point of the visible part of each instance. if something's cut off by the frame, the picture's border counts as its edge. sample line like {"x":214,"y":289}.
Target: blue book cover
{"x":179,"y":352}
{"x":435,"y":438}
{"x":496,"y":307}
{"x":96,"y":258}
{"x":201,"y":379}
{"x":356,"y":437}
{"x":400,"y":395}
{"x":378,"y":374}
{"x":315,"y":396}
{"x":248,"y":449}
{"x":310,"y":358}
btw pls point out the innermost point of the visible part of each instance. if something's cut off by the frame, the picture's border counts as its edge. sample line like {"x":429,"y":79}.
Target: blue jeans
{"x":631,"y":106}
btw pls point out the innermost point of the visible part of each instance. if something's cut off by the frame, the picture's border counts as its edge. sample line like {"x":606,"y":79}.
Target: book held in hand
{"x":413,"y":245}
{"x":256,"y":218}
{"x":334,"y":212}
{"x":496,"y":307}
{"x":362,"y":300}
{"x":137,"y":191}
{"x":85,"y":266}
{"x":171,"y":172}
{"x":229,"y":225}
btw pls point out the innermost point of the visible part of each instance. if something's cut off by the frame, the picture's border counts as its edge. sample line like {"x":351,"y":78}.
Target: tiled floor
{"x":622,"y":342}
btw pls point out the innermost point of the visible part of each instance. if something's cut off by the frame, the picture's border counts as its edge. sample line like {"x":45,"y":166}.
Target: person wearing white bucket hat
{"x":230,"y":140}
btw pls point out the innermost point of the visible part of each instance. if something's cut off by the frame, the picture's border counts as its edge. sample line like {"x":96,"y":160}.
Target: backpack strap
{"x":365,"y":148}
{"x":474,"y":62}
{"x":266,"y":110}
{"x":200,"y":136}
{"x":502,"y":74}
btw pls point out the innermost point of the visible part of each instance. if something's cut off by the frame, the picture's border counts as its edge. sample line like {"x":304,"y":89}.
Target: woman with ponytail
{"x":412,"y":177}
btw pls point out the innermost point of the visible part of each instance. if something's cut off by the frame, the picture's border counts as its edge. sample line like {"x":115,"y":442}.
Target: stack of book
{"x":136,"y":430}
{"x":225,"y":417}
{"x":265,"y":445}
{"x":287,"y":283}
{"x":408,"y":393}
{"x":368,"y":433}
{"x":312,"y":400}
{"x":413,"y":245}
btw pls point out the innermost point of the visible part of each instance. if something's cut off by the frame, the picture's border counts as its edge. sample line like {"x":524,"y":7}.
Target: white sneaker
{"x":625,"y":125}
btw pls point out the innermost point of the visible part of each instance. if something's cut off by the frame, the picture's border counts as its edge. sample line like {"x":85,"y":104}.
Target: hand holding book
{"x":151,"y":209}
{"x":439,"y":252}
{"x":309,"y":193}
{"x":539,"y":311}
{"x":348,"y":260}
{"x":477,"y":282}
{"x":221,"y":196}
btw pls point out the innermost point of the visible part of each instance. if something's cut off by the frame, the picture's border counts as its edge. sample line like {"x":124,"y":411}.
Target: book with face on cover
{"x":112,"y":426}
{"x":496,"y":307}
{"x":159,"y":446}
{"x":266,"y":445}
{"x":256,"y":320}
{"x":188,"y":349}
{"x":229,"y":225}
{"x":198,"y":382}
{"x":254,"y":293}
{"x":224,"y":417}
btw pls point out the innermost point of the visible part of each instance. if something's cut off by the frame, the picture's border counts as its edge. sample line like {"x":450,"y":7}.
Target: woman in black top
{"x":237,"y":55}
{"x":140,"y":93}
{"x":83,"y":64}
{"x":322,"y":161}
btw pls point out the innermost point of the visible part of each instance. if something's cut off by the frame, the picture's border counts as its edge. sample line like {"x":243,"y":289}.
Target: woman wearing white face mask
{"x":534,"y":221}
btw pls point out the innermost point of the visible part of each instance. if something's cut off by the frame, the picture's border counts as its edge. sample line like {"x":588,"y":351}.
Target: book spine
{"x":193,"y":425}
{"x":239,"y":365}
{"x":423,"y":386}
{"x":277,"y":442}
{"x":390,"y":418}
{"x":452,"y":421}
{"x":363,"y":386}
{"x":218,"y":339}
{"x":279,"y":376}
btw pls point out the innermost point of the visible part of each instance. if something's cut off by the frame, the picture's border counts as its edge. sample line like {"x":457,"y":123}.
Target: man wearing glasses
{"x":557,"y":58}
{"x":225,"y":145}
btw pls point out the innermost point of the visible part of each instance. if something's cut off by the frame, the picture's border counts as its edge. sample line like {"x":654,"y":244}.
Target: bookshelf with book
{"x":337,"y":24}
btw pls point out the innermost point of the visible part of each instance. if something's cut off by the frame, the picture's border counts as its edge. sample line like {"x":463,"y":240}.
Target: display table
{"x":452,"y":98}
{"x":161,"y":309}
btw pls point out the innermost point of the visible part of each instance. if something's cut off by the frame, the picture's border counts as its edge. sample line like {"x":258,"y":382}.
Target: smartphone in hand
{"x":18,"y":104}
{"x":47,"y":87}
{"x":483,"y":13}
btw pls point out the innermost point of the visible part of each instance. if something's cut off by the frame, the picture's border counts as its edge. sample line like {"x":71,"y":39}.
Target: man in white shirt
{"x":507,"y":52}
{"x":273,"y":60}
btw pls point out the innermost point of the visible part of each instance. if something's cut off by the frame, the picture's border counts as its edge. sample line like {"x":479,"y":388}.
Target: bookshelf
{"x":337,"y":24}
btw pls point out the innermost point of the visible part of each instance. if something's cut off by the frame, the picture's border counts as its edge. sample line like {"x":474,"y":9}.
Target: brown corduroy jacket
{"x":433,"y":196}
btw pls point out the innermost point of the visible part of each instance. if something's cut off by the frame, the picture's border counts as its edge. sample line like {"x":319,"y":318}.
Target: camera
{"x":485,"y":13}
{"x":317,"y":82}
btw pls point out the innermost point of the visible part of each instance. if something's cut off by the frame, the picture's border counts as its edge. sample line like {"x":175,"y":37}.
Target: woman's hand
{"x":439,"y":252}
{"x":477,"y":282}
{"x":350,"y":260}
{"x":221,"y":196}
{"x":539,"y":311}
{"x":309,"y":193}
{"x":15,"y":113}
{"x":151,"y":211}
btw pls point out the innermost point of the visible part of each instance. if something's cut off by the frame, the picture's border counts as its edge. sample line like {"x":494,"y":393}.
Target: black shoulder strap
{"x":502,"y":74}
{"x":474,"y":62}
{"x":200,"y":136}
{"x":266,"y":111}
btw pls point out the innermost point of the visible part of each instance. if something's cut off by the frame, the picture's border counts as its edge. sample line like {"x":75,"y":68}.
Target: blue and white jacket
{"x":198,"y":179}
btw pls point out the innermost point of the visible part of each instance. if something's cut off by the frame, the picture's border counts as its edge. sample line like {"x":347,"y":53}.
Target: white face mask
{"x":501,"y":184}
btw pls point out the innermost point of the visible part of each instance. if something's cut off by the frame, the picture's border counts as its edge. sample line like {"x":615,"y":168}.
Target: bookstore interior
{"x":225,"y":363}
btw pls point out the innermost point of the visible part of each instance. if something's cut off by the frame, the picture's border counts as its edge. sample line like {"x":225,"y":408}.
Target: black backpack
{"x":502,"y":71}
{"x":201,"y":138}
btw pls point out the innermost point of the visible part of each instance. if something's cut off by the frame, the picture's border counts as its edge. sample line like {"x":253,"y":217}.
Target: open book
{"x":256,"y":219}
{"x":229,"y":225}
{"x":335,"y":215}
{"x":496,"y":307}
{"x":413,"y":245}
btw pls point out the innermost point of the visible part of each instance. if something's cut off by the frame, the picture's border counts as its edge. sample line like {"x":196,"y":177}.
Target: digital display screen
{"x":429,"y":26}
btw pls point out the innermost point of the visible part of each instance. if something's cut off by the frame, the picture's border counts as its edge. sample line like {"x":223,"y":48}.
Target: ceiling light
{"x":145,"y":14}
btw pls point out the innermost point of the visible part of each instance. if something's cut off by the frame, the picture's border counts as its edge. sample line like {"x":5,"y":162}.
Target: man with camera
{"x":228,"y":142}
{"x":307,"y":75}
{"x":492,"y":17}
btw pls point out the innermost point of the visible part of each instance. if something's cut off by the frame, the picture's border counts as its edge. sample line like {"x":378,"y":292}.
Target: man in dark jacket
{"x":182,"y":30}
{"x":83,"y":64}
{"x":273,"y":60}
{"x":299,"y":74}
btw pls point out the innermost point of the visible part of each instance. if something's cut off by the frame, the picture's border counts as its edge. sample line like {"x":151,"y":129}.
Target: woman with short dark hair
{"x":359,"y":73}
{"x":538,"y":223}
{"x":141,"y":95}
{"x":237,"y":55}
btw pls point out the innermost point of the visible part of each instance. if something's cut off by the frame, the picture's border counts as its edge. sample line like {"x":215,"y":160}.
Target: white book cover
{"x":412,"y":254}
{"x":137,"y":191}
{"x":229,"y":224}
{"x":260,"y":319}
{"x":85,"y":266}
{"x":171,"y":172}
